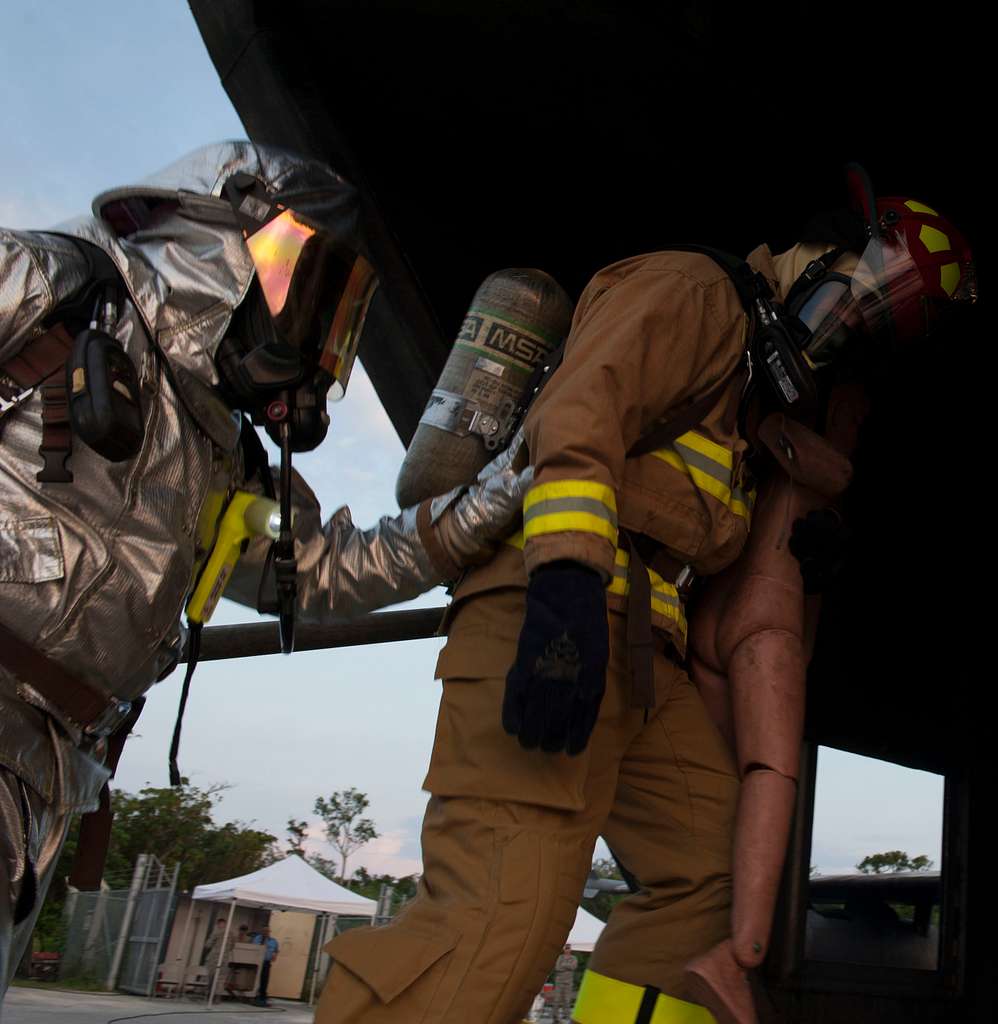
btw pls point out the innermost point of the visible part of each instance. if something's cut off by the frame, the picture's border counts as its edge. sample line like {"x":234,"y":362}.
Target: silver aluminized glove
{"x":483,"y":515}
{"x":462,"y":527}
{"x":345,"y":571}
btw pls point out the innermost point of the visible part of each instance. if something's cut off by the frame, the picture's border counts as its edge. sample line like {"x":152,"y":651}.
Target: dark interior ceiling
{"x":566,"y":136}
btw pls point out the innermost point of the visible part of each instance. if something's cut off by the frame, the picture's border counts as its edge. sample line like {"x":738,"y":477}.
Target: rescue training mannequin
{"x":753,"y":629}
{"x":133,"y":346}
{"x":751,"y":637}
{"x":596,"y":729}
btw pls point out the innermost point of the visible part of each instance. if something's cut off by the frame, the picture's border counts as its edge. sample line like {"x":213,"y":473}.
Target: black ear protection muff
{"x":103,"y":386}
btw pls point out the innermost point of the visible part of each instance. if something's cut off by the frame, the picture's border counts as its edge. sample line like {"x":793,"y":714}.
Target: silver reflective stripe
{"x":666,"y":597}
{"x":706,"y":465}
{"x":554,"y":506}
{"x":744,"y":497}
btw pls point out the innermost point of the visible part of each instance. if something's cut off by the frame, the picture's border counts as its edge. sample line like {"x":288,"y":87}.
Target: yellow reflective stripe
{"x":741,"y":508}
{"x":709,"y":449}
{"x":604,"y":1000}
{"x":709,"y":466}
{"x":669,"y":611}
{"x":710,"y":484}
{"x":570,"y":522}
{"x":570,"y":506}
{"x":742,"y":503}
{"x":664,"y":597}
{"x":705,"y":482}
{"x":674,"y":459}
{"x":571,"y":489}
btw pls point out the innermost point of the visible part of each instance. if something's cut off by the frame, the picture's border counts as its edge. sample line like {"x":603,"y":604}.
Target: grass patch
{"x":63,"y":985}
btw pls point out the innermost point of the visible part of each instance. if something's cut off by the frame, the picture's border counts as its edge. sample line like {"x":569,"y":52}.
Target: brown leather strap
{"x":442,"y":562}
{"x":41,"y":360}
{"x":57,"y":435}
{"x":38,"y":360}
{"x":640,"y":645}
{"x":80,"y":701}
{"x":95,"y":827}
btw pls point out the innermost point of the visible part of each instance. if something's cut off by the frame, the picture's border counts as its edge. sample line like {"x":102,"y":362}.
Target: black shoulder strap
{"x":749,"y":284}
{"x":666,"y":431}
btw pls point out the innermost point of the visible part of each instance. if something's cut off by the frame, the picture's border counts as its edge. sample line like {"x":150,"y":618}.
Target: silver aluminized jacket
{"x":95,"y":573}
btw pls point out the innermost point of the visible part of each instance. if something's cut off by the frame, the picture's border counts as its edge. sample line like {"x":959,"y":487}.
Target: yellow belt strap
{"x":604,"y":1000}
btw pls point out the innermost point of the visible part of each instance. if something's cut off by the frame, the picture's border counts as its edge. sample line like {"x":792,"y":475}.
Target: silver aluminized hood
{"x":175,"y":240}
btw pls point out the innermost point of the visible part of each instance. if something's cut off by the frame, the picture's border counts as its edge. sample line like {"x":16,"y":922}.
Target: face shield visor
{"x":317,"y":288}
{"x":885,"y":302}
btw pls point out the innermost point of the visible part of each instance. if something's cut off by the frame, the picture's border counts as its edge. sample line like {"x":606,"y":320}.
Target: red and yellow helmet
{"x":916,"y":265}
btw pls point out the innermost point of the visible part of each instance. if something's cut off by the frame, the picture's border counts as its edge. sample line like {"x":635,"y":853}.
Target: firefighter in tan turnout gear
{"x":563,"y":716}
{"x":511,"y":823}
{"x":233,"y":282}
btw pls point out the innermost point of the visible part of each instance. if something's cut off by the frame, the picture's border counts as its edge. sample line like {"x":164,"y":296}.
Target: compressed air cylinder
{"x":517,"y":318}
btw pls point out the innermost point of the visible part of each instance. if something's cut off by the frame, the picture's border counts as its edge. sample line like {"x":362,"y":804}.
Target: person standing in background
{"x":564,"y":983}
{"x":271,"y":949}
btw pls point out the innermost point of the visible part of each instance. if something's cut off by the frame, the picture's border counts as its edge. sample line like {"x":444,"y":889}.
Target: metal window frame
{"x":787,"y":965}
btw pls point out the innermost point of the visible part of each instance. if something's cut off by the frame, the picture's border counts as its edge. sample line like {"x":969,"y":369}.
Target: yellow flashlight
{"x":247,"y":515}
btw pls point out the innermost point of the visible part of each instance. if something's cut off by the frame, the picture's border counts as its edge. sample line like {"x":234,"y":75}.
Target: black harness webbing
{"x":647,"y":1007}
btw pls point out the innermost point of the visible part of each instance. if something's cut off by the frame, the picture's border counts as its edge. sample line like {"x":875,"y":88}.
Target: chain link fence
{"x":114,"y":937}
{"x":93,"y":925}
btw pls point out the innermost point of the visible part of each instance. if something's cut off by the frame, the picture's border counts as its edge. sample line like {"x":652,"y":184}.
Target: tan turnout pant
{"x":508,"y":839}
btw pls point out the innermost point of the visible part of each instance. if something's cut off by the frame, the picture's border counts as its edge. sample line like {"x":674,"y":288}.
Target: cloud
{"x":395,"y":852}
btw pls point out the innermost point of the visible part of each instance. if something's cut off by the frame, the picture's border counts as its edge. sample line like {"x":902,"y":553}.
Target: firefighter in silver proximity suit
{"x":235,"y":282}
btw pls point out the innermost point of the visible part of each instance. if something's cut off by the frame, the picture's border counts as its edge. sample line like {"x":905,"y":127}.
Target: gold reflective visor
{"x":343,"y":340}
{"x":276,"y":249}
{"x":317,"y":290}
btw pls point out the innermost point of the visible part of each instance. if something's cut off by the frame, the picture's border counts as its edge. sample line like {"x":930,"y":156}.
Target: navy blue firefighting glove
{"x":819,"y":542}
{"x":556,"y":684}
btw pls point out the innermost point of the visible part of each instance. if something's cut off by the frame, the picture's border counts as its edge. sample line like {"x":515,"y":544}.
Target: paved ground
{"x":57,"y":1006}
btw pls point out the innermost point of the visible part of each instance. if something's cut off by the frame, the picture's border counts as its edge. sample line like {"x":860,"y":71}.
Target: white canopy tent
{"x":288,"y":884}
{"x":586,"y":930}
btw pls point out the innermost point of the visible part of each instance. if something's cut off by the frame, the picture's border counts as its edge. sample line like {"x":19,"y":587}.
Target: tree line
{"x":177,"y":825}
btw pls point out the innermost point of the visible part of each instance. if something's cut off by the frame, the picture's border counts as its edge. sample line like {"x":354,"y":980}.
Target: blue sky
{"x":103,"y":93}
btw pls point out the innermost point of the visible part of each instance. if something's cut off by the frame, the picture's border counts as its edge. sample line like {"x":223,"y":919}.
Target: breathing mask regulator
{"x":292,"y":343}
{"x":896,"y":269}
